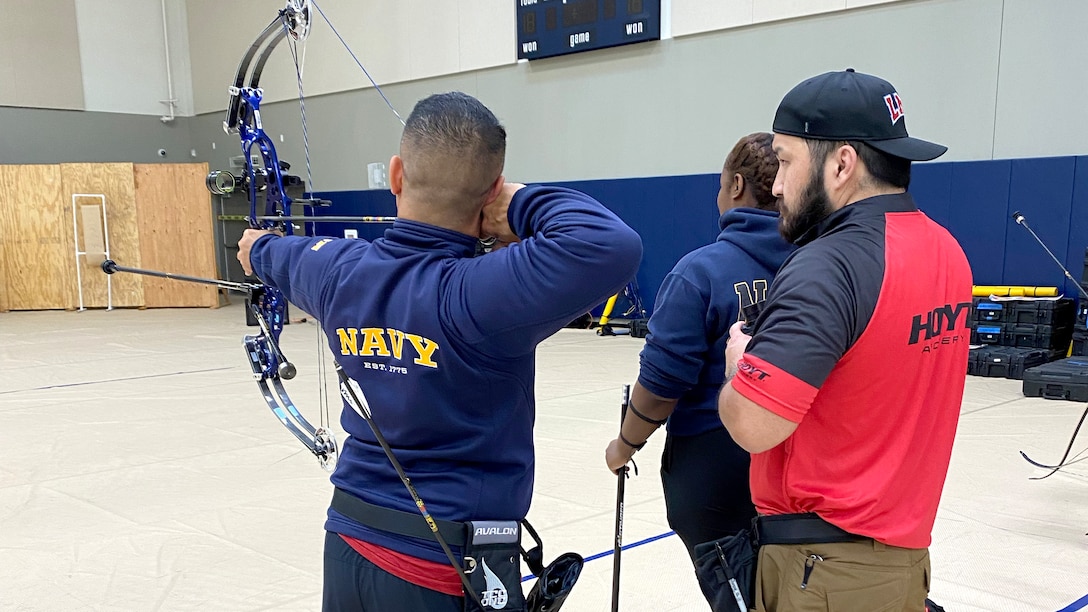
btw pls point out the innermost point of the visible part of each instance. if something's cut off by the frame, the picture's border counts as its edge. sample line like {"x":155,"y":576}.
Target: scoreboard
{"x":547,"y":28}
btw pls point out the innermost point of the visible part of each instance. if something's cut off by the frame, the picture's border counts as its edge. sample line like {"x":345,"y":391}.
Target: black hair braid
{"x":754,"y":159}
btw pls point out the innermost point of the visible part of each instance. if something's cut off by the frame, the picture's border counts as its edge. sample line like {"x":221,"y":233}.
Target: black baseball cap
{"x":849,"y":105}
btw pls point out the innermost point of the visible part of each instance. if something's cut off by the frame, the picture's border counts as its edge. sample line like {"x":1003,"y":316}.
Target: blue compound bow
{"x":267,"y":180}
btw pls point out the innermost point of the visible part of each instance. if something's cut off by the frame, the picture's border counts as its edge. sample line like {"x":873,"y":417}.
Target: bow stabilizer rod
{"x":110,"y":266}
{"x":270,"y":367}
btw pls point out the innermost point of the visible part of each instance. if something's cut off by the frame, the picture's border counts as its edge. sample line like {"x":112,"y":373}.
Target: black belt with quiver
{"x":491,"y":552}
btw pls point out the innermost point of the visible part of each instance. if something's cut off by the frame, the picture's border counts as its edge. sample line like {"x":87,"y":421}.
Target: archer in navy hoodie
{"x":442,"y":342}
{"x":705,"y":473}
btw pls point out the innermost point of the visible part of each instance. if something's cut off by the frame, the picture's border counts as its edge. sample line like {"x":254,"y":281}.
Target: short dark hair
{"x":883,"y":168}
{"x":453,"y":148}
{"x":753,"y":158}
{"x":455,"y":120}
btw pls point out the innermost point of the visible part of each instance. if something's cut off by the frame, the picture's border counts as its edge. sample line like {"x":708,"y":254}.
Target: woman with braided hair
{"x":703,"y":471}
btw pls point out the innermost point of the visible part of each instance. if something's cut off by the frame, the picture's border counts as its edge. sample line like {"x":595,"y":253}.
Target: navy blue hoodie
{"x":684,"y":356}
{"x":443,"y":345}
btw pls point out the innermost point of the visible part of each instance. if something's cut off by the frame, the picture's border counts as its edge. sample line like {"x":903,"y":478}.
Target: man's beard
{"x":814,"y":205}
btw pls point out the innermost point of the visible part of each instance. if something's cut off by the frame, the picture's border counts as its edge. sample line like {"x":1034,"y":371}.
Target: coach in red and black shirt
{"x":848,"y":393}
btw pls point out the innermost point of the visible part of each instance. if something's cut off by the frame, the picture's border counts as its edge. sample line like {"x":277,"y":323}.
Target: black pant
{"x":354,"y":584}
{"x":705,"y":478}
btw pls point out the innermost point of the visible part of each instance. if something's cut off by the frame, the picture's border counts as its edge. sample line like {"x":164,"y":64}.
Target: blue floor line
{"x":608,"y":553}
{"x":1079,"y":604}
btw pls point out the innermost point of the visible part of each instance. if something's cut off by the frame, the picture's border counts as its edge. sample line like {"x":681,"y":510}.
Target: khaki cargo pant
{"x":845,"y":577}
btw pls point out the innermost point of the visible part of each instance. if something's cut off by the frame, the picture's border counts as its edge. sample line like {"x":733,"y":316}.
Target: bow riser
{"x":276,"y":201}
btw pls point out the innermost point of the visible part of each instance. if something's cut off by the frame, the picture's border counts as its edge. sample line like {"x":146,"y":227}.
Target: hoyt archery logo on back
{"x":938,"y":327}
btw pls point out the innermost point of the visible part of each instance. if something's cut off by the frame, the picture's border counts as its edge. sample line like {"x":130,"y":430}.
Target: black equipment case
{"x":1005,"y":361}
{"x":988,"y":333}
{"x":1059,"y":313}
{"x":1080,"y":341}
{"x":987,"y":311}
{"x":1063,"y":379}
{"x":1037,"y":336}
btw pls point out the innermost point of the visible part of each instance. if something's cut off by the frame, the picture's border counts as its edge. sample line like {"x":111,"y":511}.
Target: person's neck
{"x":864,"y":192}
{"x":747,"y":200}
{"x":411,"y":211}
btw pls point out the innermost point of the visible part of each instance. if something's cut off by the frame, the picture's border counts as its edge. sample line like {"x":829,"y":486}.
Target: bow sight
{"x":224,"y":182}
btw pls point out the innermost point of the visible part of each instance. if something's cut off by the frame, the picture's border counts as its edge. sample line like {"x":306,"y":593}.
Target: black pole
{"x":1021,"y":220}
{"x":109,"y":267}
{"x":618,"y":546}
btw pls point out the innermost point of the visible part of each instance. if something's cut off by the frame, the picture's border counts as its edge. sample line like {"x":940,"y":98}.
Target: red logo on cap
{"x":895,"y":106}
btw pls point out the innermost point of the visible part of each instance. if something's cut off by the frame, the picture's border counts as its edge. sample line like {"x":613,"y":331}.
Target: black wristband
{"x":631,"y":405}
{"x":629,"y":443}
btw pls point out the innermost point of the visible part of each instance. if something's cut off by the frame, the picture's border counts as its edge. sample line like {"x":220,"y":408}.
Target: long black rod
{"x":1068,"y":449}
{"x":109,"y":267}
{"x":1021,"y":220}
{"x":617,"y":549}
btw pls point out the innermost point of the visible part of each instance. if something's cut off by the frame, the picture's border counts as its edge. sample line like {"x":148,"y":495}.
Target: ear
{"x":396,"y":175}
{"x":736,"y":189}
{"x":845,"y":165}
{"x":495,"y":189}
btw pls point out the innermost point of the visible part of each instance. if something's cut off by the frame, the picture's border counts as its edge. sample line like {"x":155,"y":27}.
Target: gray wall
{"x":42,"y":136}
{"x":989,"y":78}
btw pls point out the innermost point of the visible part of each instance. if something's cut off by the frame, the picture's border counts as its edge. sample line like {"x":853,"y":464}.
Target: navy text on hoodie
{"x":443,"y":345}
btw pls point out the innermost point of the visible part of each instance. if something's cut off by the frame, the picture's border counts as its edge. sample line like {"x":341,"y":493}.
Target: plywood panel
{"x":35,"y":238}
{"x":174,"y":214}
{"x":116,"y":182}
{"x":3,"y":267}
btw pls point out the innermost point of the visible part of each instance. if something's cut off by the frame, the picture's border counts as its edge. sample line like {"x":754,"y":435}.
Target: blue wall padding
{"x":931,"y":186}
{"x":370,"y":203}
{"x":980,"y":217}
{"x":673,"y":214}
{"x":973,"y":199}
{"x":1078,"y":224}
{"x":1042,"y":189}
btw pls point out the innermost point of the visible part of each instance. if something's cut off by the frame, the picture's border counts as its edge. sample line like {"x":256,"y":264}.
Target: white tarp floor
{"x":141,"y":470}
